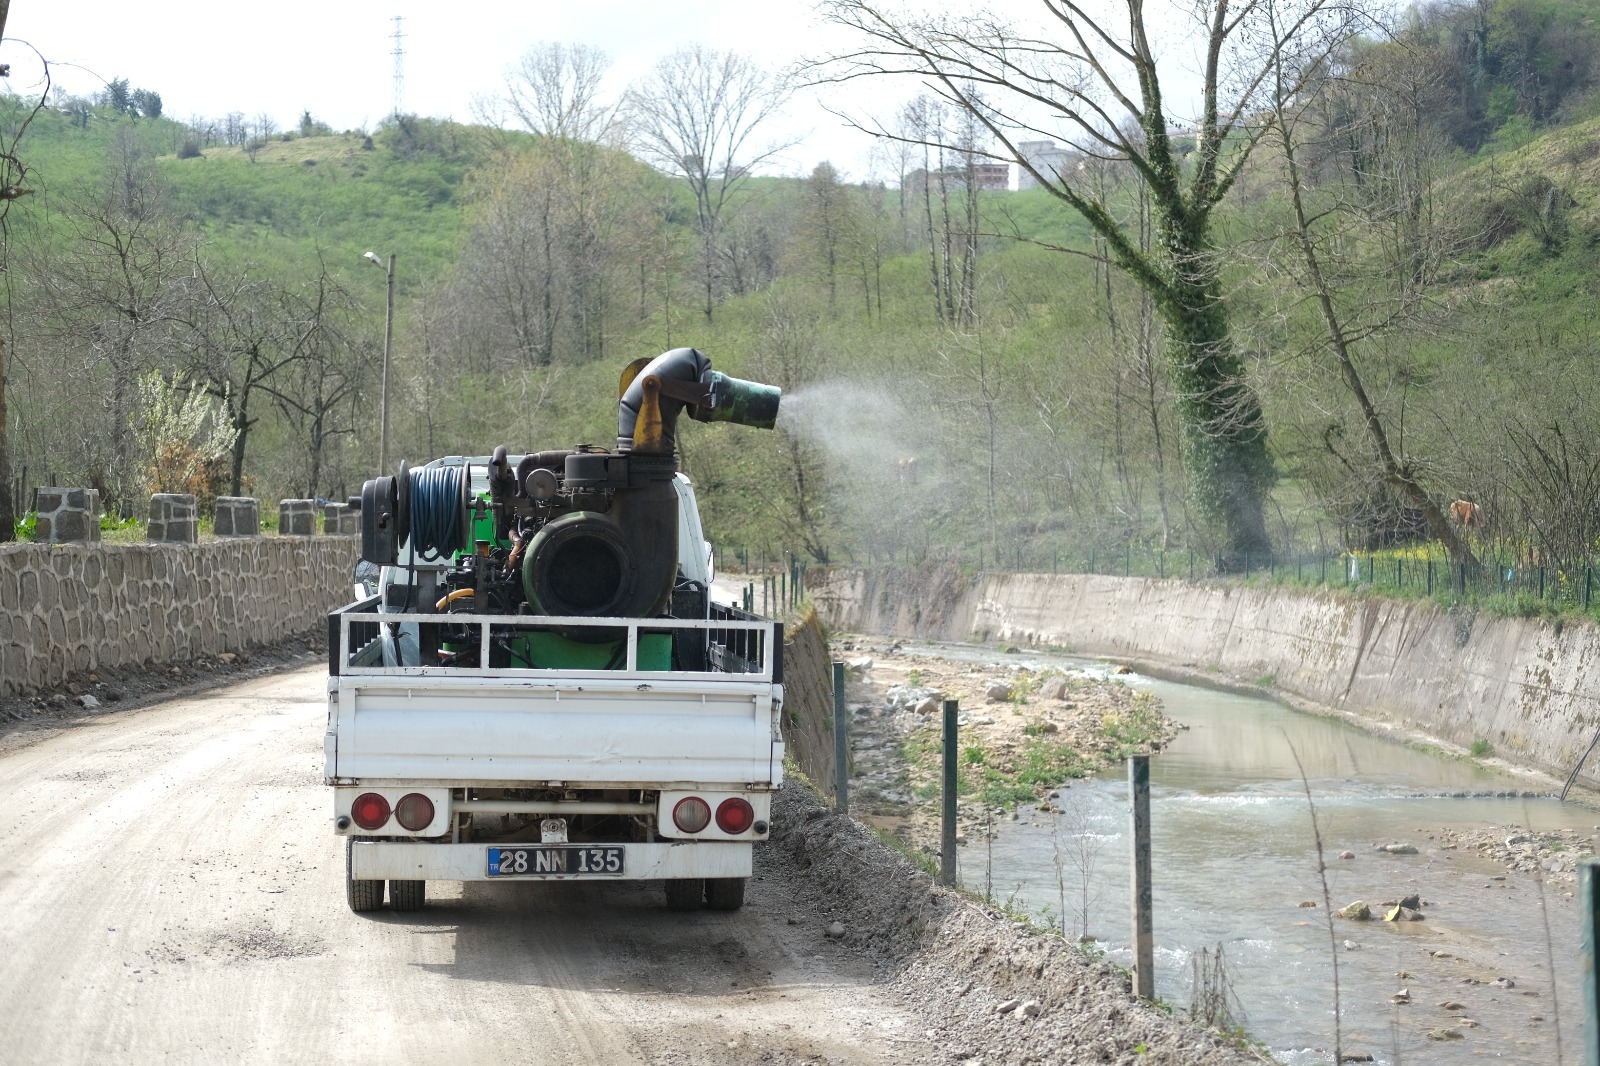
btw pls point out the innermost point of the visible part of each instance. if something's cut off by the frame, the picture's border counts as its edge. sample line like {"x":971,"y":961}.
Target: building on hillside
{"x":993,"y":177}
{"x":1045,"y":158}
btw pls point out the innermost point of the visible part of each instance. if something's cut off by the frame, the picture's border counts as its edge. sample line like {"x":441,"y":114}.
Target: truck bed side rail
{"x":736,"y":645}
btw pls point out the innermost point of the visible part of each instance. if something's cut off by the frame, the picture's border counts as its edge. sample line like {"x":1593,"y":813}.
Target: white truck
{"x":537,"y":684}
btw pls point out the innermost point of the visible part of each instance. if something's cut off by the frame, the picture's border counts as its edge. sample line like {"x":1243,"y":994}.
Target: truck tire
{"x":407,"y":895}
{"x":686,"y":894}
{"x":725,"y":893}
{"x":363,"y":895}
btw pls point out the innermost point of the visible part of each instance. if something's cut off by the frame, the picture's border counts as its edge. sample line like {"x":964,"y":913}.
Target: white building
{"x":1045,"y":158}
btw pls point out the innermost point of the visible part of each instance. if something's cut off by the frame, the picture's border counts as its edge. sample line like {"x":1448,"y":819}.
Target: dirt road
{"x":171,"y":890}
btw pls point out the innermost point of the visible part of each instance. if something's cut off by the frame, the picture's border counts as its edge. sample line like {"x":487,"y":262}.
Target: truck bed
{"x":593,"y":732}
{"x":505,"y":726}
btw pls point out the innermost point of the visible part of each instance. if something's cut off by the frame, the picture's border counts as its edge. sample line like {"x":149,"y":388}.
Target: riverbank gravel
{"x":1017,"y":724}
{"x":1552,"y":854}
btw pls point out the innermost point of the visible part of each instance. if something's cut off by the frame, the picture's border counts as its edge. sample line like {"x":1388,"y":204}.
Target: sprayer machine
{"x":584,"y":532}
{"x":538,"y":684}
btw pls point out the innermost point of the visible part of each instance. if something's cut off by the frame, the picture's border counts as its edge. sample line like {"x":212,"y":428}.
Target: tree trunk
{"x":8,"y":513}
{"x":241,"y":425}
{"x":1224,"y":433}
{"x":1395,"y":471}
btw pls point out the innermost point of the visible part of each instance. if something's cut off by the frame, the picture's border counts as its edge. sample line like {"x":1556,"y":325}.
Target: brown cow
{"x":1467,"y":513}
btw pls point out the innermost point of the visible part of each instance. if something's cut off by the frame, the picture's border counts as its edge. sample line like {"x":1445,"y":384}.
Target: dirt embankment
{"x":989,"y":990}
{"x":1023,"y":735}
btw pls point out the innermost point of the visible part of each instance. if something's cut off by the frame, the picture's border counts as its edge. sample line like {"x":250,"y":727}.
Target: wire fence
{"x":1525,"y":588}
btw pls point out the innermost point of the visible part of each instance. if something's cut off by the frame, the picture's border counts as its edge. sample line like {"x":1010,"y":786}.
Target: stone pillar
{"x":66,"y":515}
{"x":340,"y":520}
{"x":238,"y":516}
{"x":297,"y":518}
{"x":174,"y":518}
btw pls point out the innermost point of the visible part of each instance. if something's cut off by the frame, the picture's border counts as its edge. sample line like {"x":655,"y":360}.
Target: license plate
{"x":565,"y":860}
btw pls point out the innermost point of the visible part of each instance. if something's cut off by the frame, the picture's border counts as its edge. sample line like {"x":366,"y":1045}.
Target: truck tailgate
{"x":593,"y":732}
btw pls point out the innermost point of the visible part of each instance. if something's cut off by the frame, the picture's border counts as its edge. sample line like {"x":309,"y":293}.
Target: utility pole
{"x":383,"y":409}
{"x":8,"y":514}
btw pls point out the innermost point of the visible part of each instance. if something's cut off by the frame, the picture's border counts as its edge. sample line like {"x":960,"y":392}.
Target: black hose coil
{"x":437,"y":494}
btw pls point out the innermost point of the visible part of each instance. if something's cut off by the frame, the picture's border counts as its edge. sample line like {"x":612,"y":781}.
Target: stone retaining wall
{"x":1530,"y":687}
{"x":68,"y":609}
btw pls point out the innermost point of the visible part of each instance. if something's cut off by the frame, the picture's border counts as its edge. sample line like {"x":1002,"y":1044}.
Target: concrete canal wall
{"x":1530,"y":687}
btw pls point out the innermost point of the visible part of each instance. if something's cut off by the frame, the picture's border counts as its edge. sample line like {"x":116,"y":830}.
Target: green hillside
{"x":1027,"y":383}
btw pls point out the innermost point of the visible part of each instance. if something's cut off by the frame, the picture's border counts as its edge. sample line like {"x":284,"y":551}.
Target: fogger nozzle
{"x":744,"y":403}
{"x":655,"y":392}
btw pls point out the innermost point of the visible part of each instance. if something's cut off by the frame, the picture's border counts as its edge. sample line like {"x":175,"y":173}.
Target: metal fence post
{"x":1589,"y":917}
{"x":841,"y":743}
{"x":947,"y":834}
{"x":1144,"y":973}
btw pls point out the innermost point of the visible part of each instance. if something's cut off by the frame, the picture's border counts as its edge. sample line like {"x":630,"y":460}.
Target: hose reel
{"x":427,"y":505}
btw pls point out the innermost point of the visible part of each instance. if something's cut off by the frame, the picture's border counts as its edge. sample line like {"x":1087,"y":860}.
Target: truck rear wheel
{"x":685,"y":895}
{"x":725,"y":893}
{"x":363,"y":895}
{"x":407,"y":895}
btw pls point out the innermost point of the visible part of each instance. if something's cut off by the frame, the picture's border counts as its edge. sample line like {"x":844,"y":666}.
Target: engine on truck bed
{"x":586,"y":532}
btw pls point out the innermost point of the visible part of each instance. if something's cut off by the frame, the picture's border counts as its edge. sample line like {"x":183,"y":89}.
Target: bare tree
{"x":1083,"y":75}
{"x":696,"y":115}
{"x":791,"y":356}
{"x":554,"y":91}
{"x":552,"y":216}
{"x":107,"y":305}
{"x":1354,"y":316}
{"x":12,"y":176}
{"x":237,"y":335}
{"x":319,"y":389}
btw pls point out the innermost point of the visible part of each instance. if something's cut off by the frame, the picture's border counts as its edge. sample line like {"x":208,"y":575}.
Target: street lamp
{"x":388,"y":340}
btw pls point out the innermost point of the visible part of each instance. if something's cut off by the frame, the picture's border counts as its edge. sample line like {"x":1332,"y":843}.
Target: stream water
{"x":1235,"y":856}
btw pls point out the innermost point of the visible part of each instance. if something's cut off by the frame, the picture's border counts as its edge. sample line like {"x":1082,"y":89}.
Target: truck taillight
{"x":370,"y":810}
{"x":414,"y":811}
{"x":734,"y":816}
{"x":692,"y":814}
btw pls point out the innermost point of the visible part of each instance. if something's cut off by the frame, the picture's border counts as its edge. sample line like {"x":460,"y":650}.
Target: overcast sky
{"x":334,"y":57}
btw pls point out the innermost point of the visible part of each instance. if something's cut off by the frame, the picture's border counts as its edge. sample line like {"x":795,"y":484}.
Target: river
{"x":1235,"y":857}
